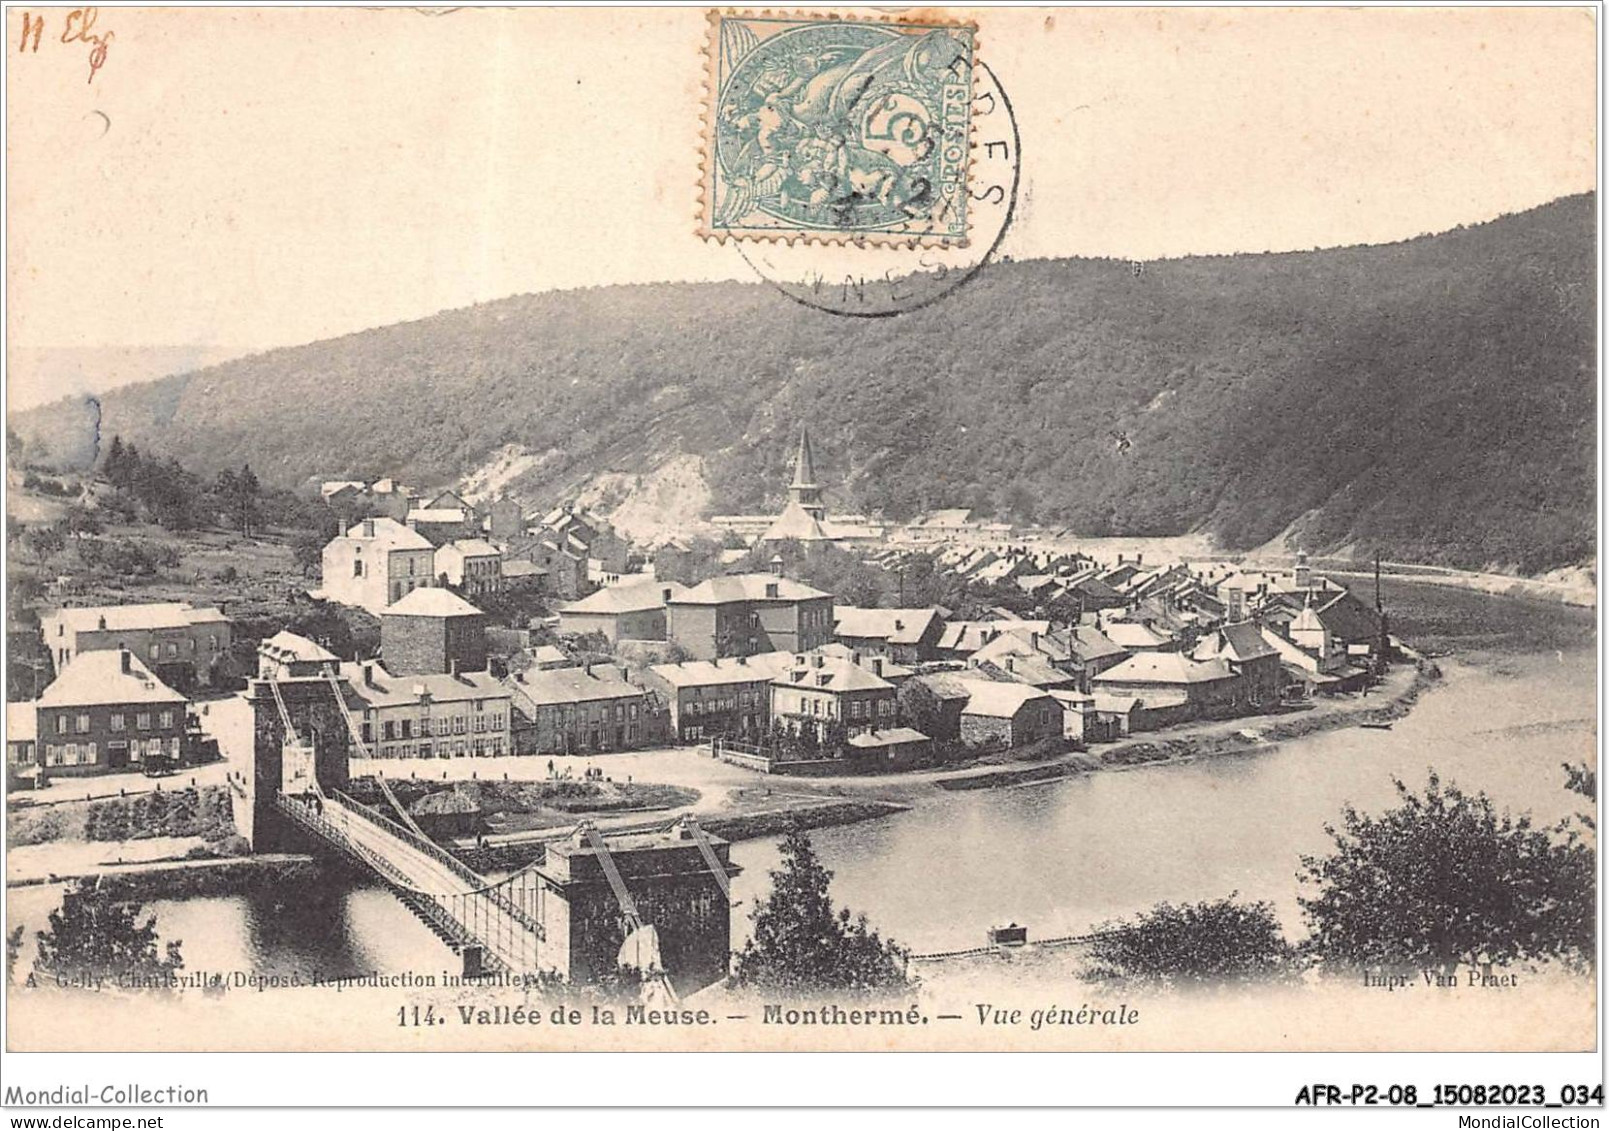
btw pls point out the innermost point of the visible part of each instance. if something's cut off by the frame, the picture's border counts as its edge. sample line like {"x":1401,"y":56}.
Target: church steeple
{"x":804,"y":489}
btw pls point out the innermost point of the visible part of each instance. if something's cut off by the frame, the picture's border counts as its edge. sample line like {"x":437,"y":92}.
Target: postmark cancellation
{"x":835,"y":129}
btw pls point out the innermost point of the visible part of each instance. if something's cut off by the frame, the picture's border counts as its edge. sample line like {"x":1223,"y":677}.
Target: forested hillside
{"x":1433,"y":398}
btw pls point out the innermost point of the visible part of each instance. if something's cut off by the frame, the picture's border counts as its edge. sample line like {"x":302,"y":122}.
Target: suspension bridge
{"x":579,"y":917}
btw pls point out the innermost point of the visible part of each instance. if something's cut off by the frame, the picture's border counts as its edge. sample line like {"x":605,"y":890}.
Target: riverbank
{"x":182,"y":879}
{"x":1253,"y":734}
{"x":511,"y":854}
{"x":1570,"y":586}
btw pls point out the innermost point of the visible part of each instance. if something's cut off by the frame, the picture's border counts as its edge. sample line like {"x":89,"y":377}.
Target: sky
{"x":234,"y":180}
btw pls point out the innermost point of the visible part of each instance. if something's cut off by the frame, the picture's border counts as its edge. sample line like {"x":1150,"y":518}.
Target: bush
{"x":1202,"y":944}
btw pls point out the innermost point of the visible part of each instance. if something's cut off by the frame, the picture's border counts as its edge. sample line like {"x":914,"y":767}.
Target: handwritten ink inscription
{"x":79,"y":27}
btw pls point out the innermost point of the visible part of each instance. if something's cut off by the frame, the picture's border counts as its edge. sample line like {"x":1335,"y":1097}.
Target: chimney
{"x":877,"y":666}
{"x":368,"y":528}
{"x":776,"y":566}
{"x":742,"y":660}
{"x":124,"y":660}
{"x":368,"y":675}
{"x":1033,"y":639}
{"x":101,"y":622}
{"x":816,"y":661}
{"x":1138,"y":558}
{"x":1304,"y":572}
{"x":1011,"y":663}
{"x":665,"y":595}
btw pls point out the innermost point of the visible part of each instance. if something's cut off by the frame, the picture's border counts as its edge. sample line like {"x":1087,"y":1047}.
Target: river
{"x":1518,"y":700}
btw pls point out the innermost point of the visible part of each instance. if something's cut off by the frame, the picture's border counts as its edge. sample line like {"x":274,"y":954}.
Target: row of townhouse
{"x":744,"y":696}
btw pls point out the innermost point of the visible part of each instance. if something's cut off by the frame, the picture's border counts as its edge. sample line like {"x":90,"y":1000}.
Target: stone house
{"x":1204,"y":687}
{"x":817,"y":691}
{"x":1011,"y":713}
{"x":472,"y":566}
{"x":729,"y":697}
{"x":464,"y":715}
{"x":184,"y":646}
{"x":906,"y":636}
{"x":745,"y":614}
{"x":433,"y":632}
{"x":1249,"y":656}
{"x":579,"y":711}
{"x":376,"y":563}
{"x":630,"y":611}
{"x":107,"y":712}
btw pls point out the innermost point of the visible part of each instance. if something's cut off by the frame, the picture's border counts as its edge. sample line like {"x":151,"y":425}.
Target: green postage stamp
{"x":832,"y":129}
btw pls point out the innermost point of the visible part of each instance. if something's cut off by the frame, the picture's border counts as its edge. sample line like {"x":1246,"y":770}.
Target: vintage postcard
{"x":684,"y":529}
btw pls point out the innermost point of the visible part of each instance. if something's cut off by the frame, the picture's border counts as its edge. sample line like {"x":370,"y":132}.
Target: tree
{"x":1219,"y":942}
{"x":80,"y":520}
{"x":115,"y":466}
{"x":800,"y":945}
{"x":307,"y":548}
{"x":1444,"y":880}
{"x":248,"y":489}
{"x":1582,"y":778}
{"x":13,"y":950}
{"x":92,"y":935}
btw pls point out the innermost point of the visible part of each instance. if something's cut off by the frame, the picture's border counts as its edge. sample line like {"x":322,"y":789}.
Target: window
{"x":61,"y":724}
{"x":357,"y":567}
{"x":119,"y":721}
{"x":82,"y":726}
{"x":480,"y":704}
{"x":166,"y":720}
{"x":459,"y":725}
{"x":389,"y":729}
{"x":396,"y":591}
{"x":407,"y":728}
{"x":173,"y":649}
{"x":156,"y":651}
{"x":143,"y":720}
{"x":212,"y":642}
